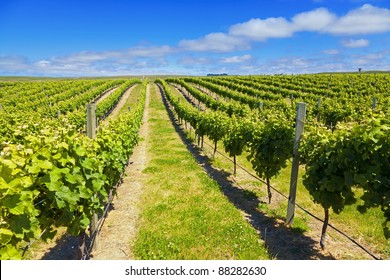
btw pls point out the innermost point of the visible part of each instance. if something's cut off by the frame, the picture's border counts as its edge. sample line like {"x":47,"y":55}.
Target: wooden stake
{"x":91,"y":133}
{"x":319,"y":107}
{"x":91,"y":120}
{"x":300,"y":122}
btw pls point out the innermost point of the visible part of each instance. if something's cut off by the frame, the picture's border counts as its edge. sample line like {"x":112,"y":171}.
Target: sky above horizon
{"x":118,"y":37}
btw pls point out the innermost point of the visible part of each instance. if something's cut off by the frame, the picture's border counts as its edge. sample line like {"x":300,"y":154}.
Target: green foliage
{"x":354,"y":155}
{"x":238,"y":136}
{"x":59,"y":177}
{"x":271,"y":146}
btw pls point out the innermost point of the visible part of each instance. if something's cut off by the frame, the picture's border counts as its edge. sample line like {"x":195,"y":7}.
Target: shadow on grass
{"x":281,"y":241}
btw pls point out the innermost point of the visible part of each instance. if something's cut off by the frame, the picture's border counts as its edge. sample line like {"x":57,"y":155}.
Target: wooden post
{"x":261,"y":105}
{"x":91,"y":133}
{"x":91,"y":120}
{"x":319,"y":107}
{"x":58,"y":113}
{"x":374,"y":103}
{"x":300,"y":122}
{"x":198,"y":134}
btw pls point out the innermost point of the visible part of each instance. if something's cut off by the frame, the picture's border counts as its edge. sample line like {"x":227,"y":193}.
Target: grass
{"x":132,"y":100}
{"x":184,"y":215}
{"x":366,"y":228}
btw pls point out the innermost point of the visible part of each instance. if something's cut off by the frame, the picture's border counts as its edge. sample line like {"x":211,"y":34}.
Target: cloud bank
{"x":229,"y":51}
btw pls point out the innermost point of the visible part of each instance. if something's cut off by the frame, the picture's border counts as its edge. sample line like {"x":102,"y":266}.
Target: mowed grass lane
{"x":184,"y":214}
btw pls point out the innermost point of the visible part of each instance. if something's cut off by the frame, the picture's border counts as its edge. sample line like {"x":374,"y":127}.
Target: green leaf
{"x":20,"y":224}
{"x":45,"y":164}
{"x":34,"y":169}
{"x":9,"y":252}
{"x":70,"y":178}
{"x":348,"y":178}
{"x":3,"y":184}
{"x":88,"y":164}
{"x":14,"y":204}
{"x":80,"y":151}
{"x":5,"y":235}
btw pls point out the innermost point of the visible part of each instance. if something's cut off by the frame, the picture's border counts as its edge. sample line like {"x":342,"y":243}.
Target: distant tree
{"x":360,"y":69}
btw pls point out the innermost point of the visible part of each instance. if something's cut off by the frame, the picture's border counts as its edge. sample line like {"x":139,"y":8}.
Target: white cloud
{"x":372,"y":61}
{"x":236,"y":59}
{"x":360,"y":43}
{"x":120,"y":62}
{"x":13,"y":63}
{"x":262,"y":29}
{"x":215,"y":42}
{"x":43,"y":63}
{"x":331,"y":51}
{"x":190,"y":60}
{"x":364,"y":20}
{"x":316,"y":20}
{"x":151,"y":51}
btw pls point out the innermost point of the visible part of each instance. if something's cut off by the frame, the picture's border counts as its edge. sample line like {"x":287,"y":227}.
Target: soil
{"x":121,"y":103}
{"x":106,"y":94}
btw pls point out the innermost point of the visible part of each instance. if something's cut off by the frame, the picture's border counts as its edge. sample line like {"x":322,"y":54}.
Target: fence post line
{"x":300,"y":122}
{"x":91,"y":133}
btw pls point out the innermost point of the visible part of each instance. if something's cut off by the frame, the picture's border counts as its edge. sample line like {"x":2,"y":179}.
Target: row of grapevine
{"x":269,"y":140}
{"x":31,"y":96}
{"x":17,"y":123}
{"x":230,"y":108}
{"x":329,"y":111}
{"x":252,"y":101}
{"x":337,"y":161}
{"x":354,"y":155}
{"x":323,"y":85}
{"x":59,"y":177}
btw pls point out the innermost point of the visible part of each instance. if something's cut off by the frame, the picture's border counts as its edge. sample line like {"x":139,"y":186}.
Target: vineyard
{"x":55,"y":176}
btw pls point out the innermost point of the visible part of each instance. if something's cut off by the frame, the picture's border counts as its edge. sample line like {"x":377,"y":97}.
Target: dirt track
{"x":120,"y":226}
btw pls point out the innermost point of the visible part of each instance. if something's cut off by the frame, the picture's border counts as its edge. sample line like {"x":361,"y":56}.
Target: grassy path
{"x":184,"y":214}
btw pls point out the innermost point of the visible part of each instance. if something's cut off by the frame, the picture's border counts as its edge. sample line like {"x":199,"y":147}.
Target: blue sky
{"x":118,"y":37}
